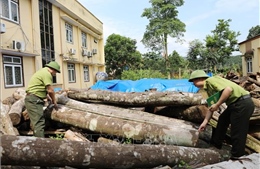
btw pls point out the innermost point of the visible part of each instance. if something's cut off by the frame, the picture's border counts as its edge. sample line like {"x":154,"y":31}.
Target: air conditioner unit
{"x":89,"y":54}
{"x":18,"y":45}
{"x":84,"y":52}
{"x":72,"y":51}
{"x":94,"y":51}
{"x":2,"y":28}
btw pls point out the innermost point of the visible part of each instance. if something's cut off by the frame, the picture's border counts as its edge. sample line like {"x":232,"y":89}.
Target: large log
{"x":194,"y":114}
{"x":119,"y":122}
{"x":134,"y":114}
{"x":16,"y":110}
{"x":9,"y":100}
{"x":32,"y":151}
{"x":253,"y":81}
{"x":74,"y":136}
{"x":138,"y":98}
{"x":18,"y":94}
{"x":256,"y":102}
{"x":6,"y":126}
{"x":127,"y":114}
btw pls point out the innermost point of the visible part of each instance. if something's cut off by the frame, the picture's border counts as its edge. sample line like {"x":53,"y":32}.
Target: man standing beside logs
{"x":239,"y":109}
{"x":40,"y":85}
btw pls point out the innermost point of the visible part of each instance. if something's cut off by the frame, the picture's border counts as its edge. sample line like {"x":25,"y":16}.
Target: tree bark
{"x":194,"y":114}
{"x":126,"y":114}
{"x":6,"y":126}
{"x":139,"y":98}
{"x":16,"y":110}
{"x":107,"y":141}
{"x":253,"y":81}
{"x":73,"y":136}
{"x":127,"y":123}
{"x":31,"y":151}
{"x":256,"y":102}
{"x":9,"y":100}
{"x":19,"y":93}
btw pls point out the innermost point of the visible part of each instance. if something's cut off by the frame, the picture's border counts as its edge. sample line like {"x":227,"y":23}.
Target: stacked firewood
{"x":104,"y":129}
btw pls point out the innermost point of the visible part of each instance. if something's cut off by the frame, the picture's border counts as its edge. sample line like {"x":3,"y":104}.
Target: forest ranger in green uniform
{"x":40,"y":85}
{"x":239,"y":109}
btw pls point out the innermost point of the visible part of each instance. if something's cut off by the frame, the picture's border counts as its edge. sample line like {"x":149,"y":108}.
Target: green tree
{"x":254,"y":31}
{"x":163,"y":22}
{"x":121,"y":54}
{"x":221,"y":44}
{"x":234,"y":63}
{"x":196,"y":56}
{"x":153,"y":61}
{"x":176,"y":62}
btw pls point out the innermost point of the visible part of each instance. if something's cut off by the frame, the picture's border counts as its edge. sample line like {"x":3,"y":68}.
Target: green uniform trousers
{"x":237,"y":114}
{"x":34,"y":106}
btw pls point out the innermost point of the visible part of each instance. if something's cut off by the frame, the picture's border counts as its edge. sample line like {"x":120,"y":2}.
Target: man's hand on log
{"x":56,"y":107}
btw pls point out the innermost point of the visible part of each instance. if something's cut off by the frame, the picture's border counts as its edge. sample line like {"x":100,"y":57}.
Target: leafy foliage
{"x":121,"y":54}
{"x":254,"y":31}
{"x":233,"y":63}
{"x":153,"y":61}
{"x":217,"y":49}
{"x":140,"y":74}
{"x":176,"y":62}
{"x":163,"y":22}
{"x":58,"y":136}
{"x":196,"y":56}
{"x":221,"y":44}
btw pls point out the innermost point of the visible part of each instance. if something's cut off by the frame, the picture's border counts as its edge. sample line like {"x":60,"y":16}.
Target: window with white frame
{"x":69,"y":32}
{"x":86,"y":73}
{"x":9,"y":10}
{"x":13,"y":71}
{"x":249,"y":65}
{"x":71,"y":72}
{"x":84,"y":39}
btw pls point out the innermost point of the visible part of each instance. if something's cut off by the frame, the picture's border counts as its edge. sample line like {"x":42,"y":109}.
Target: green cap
{"x":54,"y":65}
{"x":198,"y":74}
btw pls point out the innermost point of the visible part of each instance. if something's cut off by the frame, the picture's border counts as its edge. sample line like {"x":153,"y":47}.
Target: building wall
{"x":28,"y":32}
{"x":250,"y":48}
{"x":18,"y":32}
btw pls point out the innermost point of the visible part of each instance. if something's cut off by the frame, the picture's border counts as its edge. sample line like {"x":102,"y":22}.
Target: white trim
{"x":13,"y":65}
{"x":10,"y":17}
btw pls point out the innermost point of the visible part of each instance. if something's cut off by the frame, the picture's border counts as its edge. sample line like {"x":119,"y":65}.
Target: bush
{"x":140,"y":74}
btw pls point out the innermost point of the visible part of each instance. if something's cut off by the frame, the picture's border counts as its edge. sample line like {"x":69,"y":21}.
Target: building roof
{"x":253,"y":38}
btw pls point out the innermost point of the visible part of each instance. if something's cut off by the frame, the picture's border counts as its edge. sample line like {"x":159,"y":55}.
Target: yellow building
{"x":35,"y":32}
{"x":250,"y":50}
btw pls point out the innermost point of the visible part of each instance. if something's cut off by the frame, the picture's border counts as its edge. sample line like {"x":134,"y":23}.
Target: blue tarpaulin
{"x":182,"y":85}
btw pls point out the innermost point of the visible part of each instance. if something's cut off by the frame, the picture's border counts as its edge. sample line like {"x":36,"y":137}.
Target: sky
{"x":123,"y":17}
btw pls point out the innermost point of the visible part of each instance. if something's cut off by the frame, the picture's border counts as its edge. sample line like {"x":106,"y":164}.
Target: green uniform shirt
{"x":216,"y":83}
{"x":39,"y":81}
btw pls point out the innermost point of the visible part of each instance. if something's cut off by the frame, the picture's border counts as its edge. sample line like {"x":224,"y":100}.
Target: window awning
{"x":16,"y":53}
{"x":249,"y":52}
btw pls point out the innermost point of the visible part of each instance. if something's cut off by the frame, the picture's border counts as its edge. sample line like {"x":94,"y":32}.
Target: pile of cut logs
{"x":105,"y":129}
